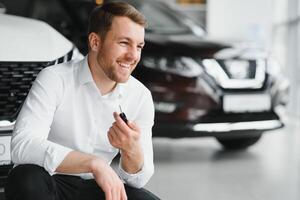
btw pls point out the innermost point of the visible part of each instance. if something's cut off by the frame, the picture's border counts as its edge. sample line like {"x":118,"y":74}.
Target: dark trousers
{"x":32,"y":182}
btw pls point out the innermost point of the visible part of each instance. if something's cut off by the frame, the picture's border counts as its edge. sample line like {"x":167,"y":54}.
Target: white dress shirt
{"x":65,"y":111}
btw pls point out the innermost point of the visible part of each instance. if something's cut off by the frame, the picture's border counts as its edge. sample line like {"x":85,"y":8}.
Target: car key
{"x":123,"y":116}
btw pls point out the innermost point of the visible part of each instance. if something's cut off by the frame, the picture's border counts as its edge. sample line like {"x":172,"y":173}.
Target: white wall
{"x":240,"y":20}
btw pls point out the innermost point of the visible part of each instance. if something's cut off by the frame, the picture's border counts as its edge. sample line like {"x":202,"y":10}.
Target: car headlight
{"x":182,"y":66}
{"x":234,"y":74}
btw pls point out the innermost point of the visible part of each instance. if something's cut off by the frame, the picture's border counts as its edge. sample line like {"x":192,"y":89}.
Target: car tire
{"x":239,"y":143}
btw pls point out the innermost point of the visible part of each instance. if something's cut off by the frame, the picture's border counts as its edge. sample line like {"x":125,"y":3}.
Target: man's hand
{"x":126,"y":137}
{"x":108,"y":180}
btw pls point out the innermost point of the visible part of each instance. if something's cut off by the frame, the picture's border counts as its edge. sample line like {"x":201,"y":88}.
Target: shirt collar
{"x":84,"y":72}
{"x":117,"y":93}
{"x":85,"y":76}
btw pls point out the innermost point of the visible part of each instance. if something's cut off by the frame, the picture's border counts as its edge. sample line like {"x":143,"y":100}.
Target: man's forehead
{"x":124,"y":21}
{"x":125,"y":28}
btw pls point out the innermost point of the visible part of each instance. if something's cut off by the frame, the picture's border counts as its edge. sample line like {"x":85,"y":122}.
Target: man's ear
{"x":94,"y":41}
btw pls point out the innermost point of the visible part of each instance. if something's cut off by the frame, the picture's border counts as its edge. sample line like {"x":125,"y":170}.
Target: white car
{"x":27,"y":46}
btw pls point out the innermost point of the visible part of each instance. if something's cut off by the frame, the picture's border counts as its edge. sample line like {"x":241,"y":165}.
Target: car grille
{"x":16,"y":79}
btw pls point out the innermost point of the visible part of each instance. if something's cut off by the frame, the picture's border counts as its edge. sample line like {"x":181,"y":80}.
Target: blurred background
{"x":224,"y":76}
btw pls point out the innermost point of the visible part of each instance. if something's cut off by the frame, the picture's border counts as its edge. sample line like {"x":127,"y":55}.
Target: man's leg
{"x":29,"y":182}
{"x":91,"y":191}
{"x":139,"y":194}
{"x":32,"y":182}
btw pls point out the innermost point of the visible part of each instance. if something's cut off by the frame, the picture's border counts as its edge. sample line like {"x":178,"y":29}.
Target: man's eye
{"x":140,"y":48}
{"x":124,"y":43}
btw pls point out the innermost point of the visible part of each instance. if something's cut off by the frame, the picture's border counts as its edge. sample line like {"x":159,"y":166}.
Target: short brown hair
{"x":101,"y":17}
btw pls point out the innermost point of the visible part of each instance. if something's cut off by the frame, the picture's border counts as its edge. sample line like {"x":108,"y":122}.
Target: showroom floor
{"x":193,"y":169}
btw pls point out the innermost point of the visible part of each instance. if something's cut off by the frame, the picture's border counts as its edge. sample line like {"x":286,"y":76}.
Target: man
{"x":68,"y":131}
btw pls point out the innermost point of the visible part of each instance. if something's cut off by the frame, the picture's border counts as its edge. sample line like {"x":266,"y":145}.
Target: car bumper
{"x":5,"y":158}
{"x":6,"y":165}
{"x":221,"y":125}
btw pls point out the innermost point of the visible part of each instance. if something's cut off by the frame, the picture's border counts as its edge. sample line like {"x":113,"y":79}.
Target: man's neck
{"x":103,"y":83}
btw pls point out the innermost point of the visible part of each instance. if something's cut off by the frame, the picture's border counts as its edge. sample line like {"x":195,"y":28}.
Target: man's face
{"x":120,"y":51}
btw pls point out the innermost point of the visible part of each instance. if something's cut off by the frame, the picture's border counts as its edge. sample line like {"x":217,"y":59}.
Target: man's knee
{"x":28,"y":180}
{"x":139,"y":194}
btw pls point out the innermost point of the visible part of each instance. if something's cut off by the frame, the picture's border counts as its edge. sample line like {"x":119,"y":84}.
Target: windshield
{"x":161,"y":20}
{"x":164,"y":20}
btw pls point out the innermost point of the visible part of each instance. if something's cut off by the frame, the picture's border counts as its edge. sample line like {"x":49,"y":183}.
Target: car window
{"x":161,"y":21}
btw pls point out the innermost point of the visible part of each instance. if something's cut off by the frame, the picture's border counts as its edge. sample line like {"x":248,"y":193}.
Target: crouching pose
{"x":69,"y":129}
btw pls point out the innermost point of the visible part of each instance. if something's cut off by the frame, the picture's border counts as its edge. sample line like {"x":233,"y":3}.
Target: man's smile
{"x":125,"y":65}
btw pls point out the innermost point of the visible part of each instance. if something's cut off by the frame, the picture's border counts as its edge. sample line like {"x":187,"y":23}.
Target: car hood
{"x":242,"y":51}
{"x":24,"y":39}
{"x":183,"y":45}
{"x":192,"y":45}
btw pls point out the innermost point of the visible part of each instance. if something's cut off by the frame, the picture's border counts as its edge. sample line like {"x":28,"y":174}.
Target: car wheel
{"x":239,"y":143}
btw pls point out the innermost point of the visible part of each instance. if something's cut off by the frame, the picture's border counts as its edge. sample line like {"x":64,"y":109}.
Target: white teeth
{"x":127,"y":65}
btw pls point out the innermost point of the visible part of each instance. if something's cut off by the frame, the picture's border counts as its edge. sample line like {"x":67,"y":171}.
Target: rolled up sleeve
{"x":29,"y":144}
{"x":137,"y":180}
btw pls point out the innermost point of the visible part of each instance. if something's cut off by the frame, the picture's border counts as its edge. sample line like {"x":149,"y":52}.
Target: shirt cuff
{"x":55,"y":154}
{"x":131,"y":179}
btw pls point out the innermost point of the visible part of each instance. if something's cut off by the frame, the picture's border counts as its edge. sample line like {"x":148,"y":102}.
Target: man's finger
{"x":113,"y":194}
{"x":114,"y":132}
{"x":120,"y":123}
{"x":123,"y":194}
{"x":108,"y":194}
{"x":112,"y":136}
{"x":117,"y":193}
{"x":117,"y":130}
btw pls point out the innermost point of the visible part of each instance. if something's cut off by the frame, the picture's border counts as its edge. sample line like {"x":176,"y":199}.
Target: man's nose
{"x":133,"y":53}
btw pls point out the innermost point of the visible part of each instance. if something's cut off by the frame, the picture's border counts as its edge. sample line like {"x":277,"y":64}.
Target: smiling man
{"x":68,"y":130}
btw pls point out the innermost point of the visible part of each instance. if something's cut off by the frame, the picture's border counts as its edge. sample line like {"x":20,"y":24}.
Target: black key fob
{"x":123,"y":117}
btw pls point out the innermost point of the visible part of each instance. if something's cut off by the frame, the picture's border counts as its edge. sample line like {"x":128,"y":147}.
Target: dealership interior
{"x":227,"y":116}
{"x":198,"y":168}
